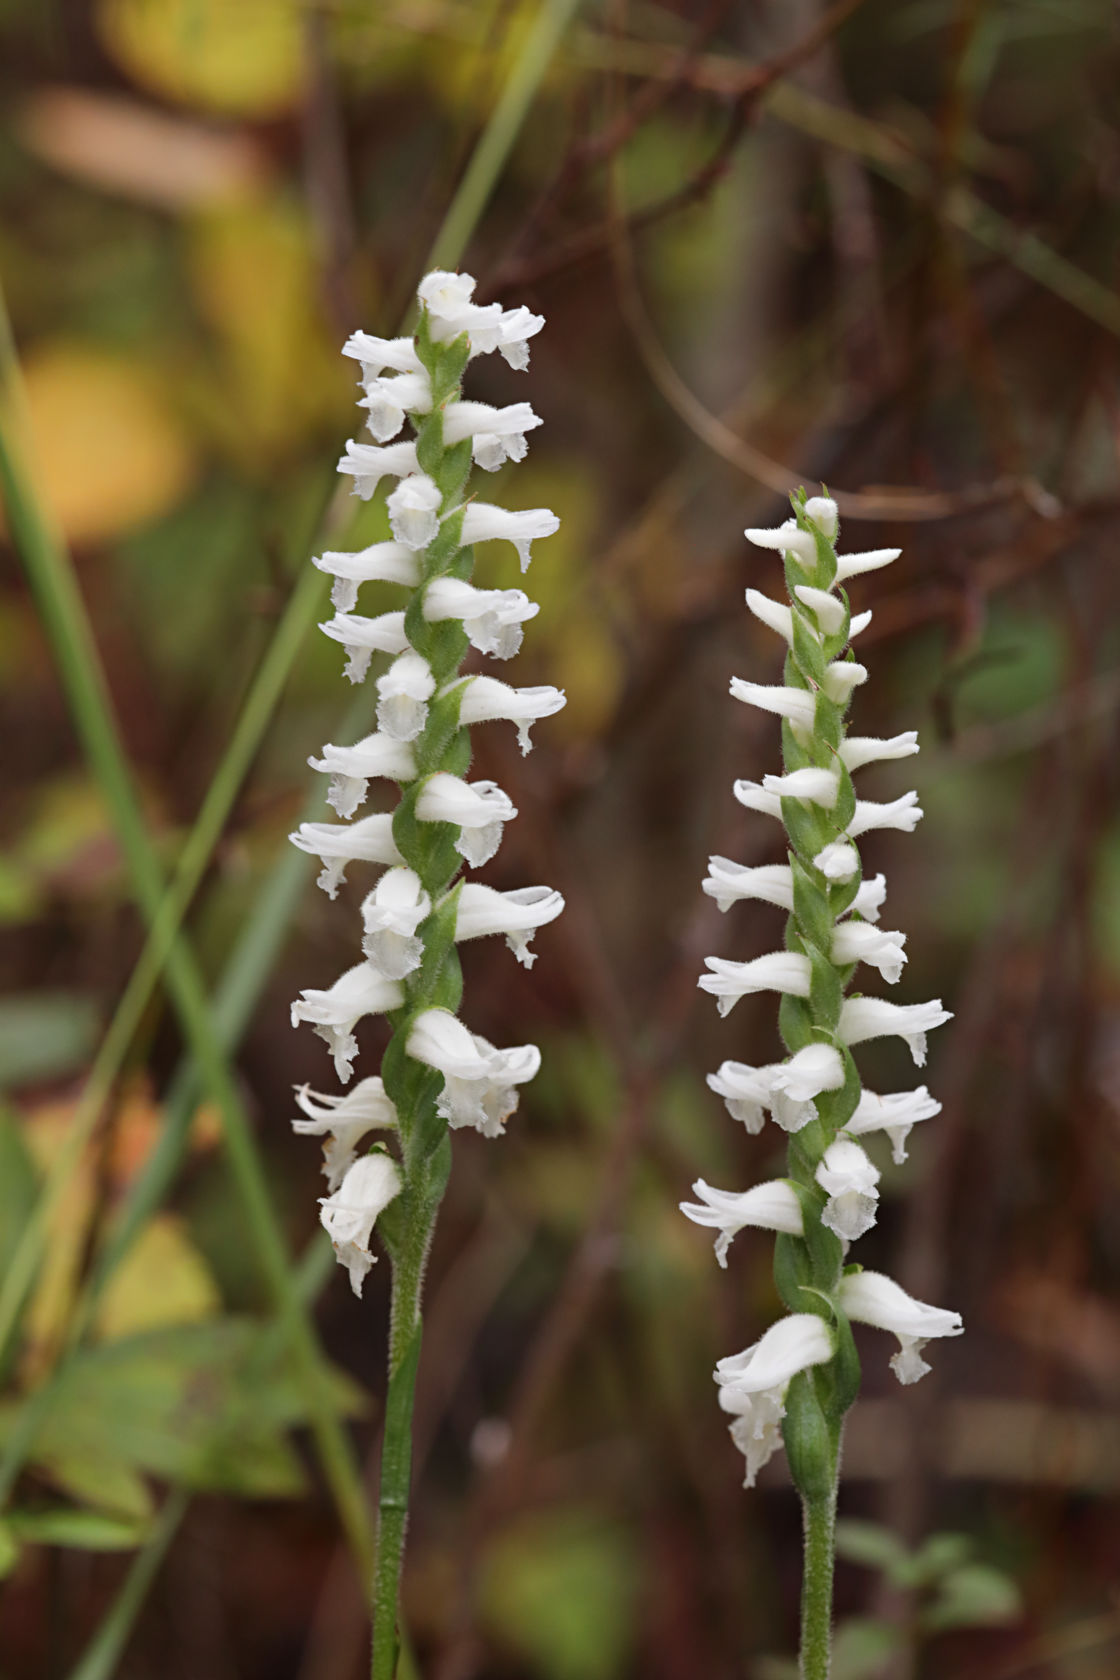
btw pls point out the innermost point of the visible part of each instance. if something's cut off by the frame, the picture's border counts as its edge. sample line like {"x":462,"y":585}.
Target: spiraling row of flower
{"x":815,"y":1094}
{"x":418,"y":910}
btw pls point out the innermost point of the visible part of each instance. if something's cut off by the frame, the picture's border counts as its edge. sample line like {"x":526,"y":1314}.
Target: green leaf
{"x":9,"y":1548}
{"x":862,"y":1646}
{"x":18,"y":1186}
{"x":872,"y":1546}
{"x":87,"y":1531}
{"x":44,"y":1035}
{"x":559,"y":1589}
{"x":939,"y":1554}
{"x":975,"y":1595}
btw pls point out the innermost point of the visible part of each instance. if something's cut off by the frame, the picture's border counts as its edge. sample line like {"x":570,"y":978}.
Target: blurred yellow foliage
{"x":253,"y":274}
{"x":163,"y":1279}
{"x":110,"y":454}
{"x":242,"y":57}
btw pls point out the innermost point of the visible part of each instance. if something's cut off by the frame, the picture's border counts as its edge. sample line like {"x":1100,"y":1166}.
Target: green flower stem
{"x":816,"y":1592}
{"x":396,"y":1452}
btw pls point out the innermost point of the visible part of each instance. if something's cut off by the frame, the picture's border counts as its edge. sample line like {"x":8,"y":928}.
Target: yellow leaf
{"x":237,"y":56}
{"x":162,"y":1280}
{"x":253,"y":274}
{"x":109,"y":452}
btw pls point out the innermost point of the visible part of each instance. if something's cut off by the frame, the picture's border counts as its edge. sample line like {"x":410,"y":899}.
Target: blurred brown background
{"x":776,"y":243}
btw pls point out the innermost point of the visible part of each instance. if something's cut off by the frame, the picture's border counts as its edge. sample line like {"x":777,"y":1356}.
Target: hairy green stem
{"x":816,"y":1589}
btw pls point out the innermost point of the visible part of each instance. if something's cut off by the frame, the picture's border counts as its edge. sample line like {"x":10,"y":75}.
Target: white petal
{"x":774,"y":614}
{"x":838,"y":861}
{"x":391,"y":914}
{"x":787,"y":539}
{"x":894,"y":1114}
{"x":903,"y":813}
{"x":826,"y":608}
{"x":403,"y":694}
{"x":862,"y":942}
{"x":852,"y":565}
{"x":859,"y":750}
{"x":820,"y":787}
{"x":352,"y":768}
{"x":795,"y":1343}
{"x":871,"y":1298}
{"x":377,"y":354}
{"x":862,"y":1018}
{"x":869,"y":898}
{"x":779,"y":971}
{"x":337,"y":844}
{"x":343,"y":1121}
{"x":478,"y":809}
{"x":481,"y":911}
{"x":334,"y":1013}
{"x":823,"y":512}
{"x":484,"y":522}
{"x":348,"y":1216}
{"x":755,"y":797}
{"x":729,"y":882}
{"x":363,"y":637}
{"x":369,"y":463}
{"x":486,"y":699}
{"x":796,"y":704}
{"x":772,"y":1206}
{"x":840,"y":678}
{"x":383,"y":562}
{"x":849,"y":1179}
{"x":492,"y":618}
{"x":414,"y":511}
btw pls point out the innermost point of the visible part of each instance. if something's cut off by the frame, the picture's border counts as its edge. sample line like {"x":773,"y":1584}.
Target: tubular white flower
{"x":351,"y":769}
{"x":862,"y":1018}
{"x":403,"y":694}
{"x":363,"y":637}
{"x":368,"y":463}
{"x":369,"y":840}
{"x":497,"y":434}
{"x":414,"y":511}
{"x":447,"y":298}
{"x":796,"y":704}
{"x":871,"y":1298}
{"x":859,"y":750}
{"x":481,"y":910}
{"x":377,"y":354}
{"x":838,"y":861}
{"x":349,"y":1215}
{"x":484,"y":522}
{"x":861,"y":942}
{"x":755,"y":797}
{"x":383,"y":562}
{"x":729,"y":882}
{"x":786,"y":1089}
{"x":774,"y":614}
{"x":486,"y":700}
{"x":479,"y":1081}
{"x":479,"y":809}
{"x":824,"y":513}
{"x":819,"y":787}
{"x":753,"y":1384}
{"x":334,"y":1013}
{"x":772,"y":1206}
{"x":343,"y":1121}
{"x":787,"y":539}
{"x":389,"y":400}
{"x":854,"y":565}
{"x":816,"y":1068}
{"x":492,"y":618}
{"x":828,"y":611}
{"x":778,"y":971}
{"x":849,"y":1179}
{"x":840,"y":678}
{"x":903,"y":813}
{"x":869,"y":898}
{"x":517,"y":327}
{"x":391,"y":914}
{"x":894,"y":1114}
